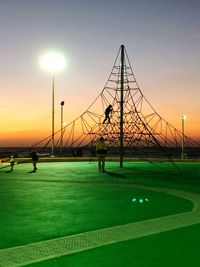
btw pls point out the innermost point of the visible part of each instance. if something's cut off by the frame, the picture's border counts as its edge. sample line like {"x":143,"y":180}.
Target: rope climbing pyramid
{"x":131,"y":127}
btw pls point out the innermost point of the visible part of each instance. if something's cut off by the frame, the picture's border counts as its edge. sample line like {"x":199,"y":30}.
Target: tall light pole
{"x":61,"y":132}
{"x":52,"y":62}
{"x":183,"y":137}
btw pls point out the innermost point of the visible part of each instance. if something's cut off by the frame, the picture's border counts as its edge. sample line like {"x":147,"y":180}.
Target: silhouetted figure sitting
{"x":108,"y":110}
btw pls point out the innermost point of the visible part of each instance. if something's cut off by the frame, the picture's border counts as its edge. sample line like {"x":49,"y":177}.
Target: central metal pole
{"x":122,"y":108}
{"x":52,"y":138}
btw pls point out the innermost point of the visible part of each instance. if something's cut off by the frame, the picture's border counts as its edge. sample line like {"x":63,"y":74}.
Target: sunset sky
{"x":162,"y":39}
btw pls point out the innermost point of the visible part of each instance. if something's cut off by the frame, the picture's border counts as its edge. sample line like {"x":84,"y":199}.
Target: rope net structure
{"x":145,"y":133}
{"x":135,"y":129}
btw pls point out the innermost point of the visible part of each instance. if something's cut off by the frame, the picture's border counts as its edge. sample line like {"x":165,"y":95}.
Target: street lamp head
{"x":52,"y":62}
{"x":184,"y":117}
{"x":62,"y":103}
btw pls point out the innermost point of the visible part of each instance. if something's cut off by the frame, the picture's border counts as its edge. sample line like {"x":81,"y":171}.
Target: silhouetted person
{"x":101,"y":149}
{"x":12,"y":162}
{"x":35,"y":158}
{"x":108,"y":110}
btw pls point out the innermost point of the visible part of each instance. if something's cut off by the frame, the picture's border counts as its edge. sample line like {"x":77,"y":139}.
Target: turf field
{"x":142,"y":215}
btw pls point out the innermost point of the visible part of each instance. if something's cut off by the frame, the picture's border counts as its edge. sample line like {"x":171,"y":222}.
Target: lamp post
{"x":61,"y":132}
{"x":183,"y":136}
{"x":52,"y":62}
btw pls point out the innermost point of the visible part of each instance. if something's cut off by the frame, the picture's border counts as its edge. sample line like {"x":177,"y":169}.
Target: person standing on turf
{"x":12,"y":162}
{"x":35,"y":158}
{"x":101,"y":149}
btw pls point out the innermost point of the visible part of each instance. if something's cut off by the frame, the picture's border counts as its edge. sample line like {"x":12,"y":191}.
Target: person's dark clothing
{"x":34,"y":157}
{"x":108,"y":110}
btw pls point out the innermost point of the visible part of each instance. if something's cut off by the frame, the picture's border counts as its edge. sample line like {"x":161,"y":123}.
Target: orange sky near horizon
{"x":27,"y":130}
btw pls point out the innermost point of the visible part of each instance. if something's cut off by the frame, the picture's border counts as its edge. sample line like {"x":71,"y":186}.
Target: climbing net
{"x":145,"y":132}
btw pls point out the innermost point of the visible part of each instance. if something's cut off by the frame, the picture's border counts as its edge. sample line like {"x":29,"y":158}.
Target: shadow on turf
{"x":117,"y":175}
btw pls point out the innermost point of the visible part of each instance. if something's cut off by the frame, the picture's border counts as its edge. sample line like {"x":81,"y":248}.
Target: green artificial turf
{"x":176,"y":248}
{"x":68,"y":198}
